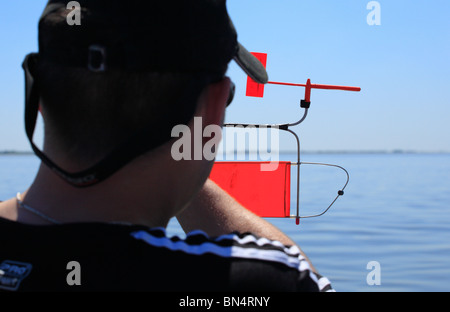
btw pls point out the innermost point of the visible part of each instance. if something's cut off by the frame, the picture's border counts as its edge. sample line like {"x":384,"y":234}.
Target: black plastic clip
{"x":97,"y":58}
{"x":305,"y":104}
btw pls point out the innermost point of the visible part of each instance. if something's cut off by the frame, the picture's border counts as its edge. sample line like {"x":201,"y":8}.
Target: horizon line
{"x":394,"y":151}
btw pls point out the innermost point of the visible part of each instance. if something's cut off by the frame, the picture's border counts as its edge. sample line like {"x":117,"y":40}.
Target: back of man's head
{"x":127,"y":69}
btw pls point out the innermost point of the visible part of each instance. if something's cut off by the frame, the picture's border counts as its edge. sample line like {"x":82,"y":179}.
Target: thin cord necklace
{"x":34,"y":211}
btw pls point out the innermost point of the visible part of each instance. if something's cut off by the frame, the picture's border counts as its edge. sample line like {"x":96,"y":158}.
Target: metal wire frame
{"x":285,"y":127}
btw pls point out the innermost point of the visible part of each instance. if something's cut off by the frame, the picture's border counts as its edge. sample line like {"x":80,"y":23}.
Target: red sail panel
{"x":265,"y":193}
{"x":253,"y":88}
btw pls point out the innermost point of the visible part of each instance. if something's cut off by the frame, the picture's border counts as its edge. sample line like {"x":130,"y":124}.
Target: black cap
{"x":185,"y":36}
{"x":193,"y":36}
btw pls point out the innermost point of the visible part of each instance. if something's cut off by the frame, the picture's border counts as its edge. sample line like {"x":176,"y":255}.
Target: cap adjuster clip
{"x":97,"y":58}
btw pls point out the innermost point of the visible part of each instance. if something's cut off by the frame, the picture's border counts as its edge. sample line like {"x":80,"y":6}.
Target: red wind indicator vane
{"x":268,"y":193}
{"x":255,"y":89}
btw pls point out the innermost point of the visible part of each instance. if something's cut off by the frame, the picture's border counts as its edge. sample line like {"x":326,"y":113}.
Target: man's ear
{"x":213,"y":102}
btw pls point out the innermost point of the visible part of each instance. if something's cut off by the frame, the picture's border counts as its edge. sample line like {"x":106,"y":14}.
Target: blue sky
{"x":402,"y":66}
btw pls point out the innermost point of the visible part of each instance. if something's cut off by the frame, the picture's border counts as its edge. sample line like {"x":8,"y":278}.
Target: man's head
{"x":114,"y":86}
{"x":87,"y":114}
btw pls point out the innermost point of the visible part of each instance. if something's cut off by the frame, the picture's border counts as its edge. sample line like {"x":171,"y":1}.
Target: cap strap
{"x":137,"y":145}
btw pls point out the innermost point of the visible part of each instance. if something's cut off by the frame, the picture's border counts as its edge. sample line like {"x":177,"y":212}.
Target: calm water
{"x":395,"y":211}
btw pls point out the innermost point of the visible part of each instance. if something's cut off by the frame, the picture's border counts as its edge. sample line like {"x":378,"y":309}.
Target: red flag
{"x":265,"y":193}
{"x":253,"y":88}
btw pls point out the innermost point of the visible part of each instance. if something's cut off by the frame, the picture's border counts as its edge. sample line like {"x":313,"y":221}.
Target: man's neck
{"x":132,"y":195}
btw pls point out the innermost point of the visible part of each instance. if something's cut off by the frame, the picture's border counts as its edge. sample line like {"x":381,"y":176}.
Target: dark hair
{"x":88,"y":114}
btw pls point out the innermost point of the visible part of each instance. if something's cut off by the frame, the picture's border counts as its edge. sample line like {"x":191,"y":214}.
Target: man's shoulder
{"x":79,"y":236}
{"x":249,"y":259}
{"x":145,"y":240}
{"x":232,"y":244}
{"x":237,"y":249}
{"x":116,"y":256}
{"x":7,"y":208}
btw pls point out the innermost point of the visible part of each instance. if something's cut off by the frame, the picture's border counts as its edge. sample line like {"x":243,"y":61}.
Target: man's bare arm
{"x":216,"y":213}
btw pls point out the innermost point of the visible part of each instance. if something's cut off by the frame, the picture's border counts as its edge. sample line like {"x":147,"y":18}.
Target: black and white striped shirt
{"x":136,"y":258}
